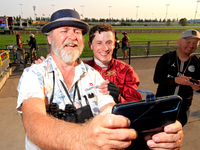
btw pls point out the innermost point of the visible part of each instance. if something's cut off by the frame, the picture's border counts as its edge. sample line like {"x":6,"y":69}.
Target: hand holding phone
{"x":145,"y":116}
{"x":194,"y":81}
{"x":149,"y":116}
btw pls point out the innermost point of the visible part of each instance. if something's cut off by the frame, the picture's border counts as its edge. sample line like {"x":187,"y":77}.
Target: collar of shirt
{"x":80,"y":69}
{"x":99,"y":67}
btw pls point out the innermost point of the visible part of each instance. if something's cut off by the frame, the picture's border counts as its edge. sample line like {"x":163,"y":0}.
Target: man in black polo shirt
{"x":175,"y":70}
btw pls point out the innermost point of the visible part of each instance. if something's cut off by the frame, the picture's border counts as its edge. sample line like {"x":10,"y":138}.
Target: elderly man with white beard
{"x":60,"y":101}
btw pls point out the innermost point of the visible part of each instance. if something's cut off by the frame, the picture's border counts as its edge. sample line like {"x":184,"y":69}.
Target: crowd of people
{"x":70,"y":100}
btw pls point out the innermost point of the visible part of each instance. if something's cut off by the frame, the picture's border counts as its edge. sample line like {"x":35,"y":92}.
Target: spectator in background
{"x":125,"y":41}
{"x":116,"y":46}
{"x":20,"y":52}
{"x":19,"y":43}
{"x":33,"y":46}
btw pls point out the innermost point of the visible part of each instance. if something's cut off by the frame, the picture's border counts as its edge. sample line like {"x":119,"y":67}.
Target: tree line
{"x":122,"y":21}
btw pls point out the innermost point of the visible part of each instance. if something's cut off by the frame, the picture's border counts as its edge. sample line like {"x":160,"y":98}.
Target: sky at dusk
{"x":117,"y":9}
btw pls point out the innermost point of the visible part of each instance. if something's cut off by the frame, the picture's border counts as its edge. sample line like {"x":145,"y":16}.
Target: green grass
{"x":87,"y":53}
{"x":151,"y":36}
{"x":158,"y":27}
{"x":11,"y":39}
{"x":41,"y":39}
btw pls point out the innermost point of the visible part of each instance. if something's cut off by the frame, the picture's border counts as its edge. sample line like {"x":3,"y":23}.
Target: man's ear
{"x":178,"y":41}
{"x":48,"y":39}
{"x":90,"y":45}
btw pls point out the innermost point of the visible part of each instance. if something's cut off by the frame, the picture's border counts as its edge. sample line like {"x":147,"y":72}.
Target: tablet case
{"x":150,"y":115}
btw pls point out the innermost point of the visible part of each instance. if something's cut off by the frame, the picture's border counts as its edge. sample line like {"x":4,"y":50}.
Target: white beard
{"x":68,"y":56}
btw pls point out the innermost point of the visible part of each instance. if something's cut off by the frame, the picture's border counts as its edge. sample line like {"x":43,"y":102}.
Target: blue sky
{"x":100,"y":8}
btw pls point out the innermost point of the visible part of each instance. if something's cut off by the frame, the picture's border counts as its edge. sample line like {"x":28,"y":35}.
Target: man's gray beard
{"x":68,"y":56}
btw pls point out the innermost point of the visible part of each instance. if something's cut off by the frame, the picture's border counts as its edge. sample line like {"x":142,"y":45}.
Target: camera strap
{"x":75,"y":89}
{"x":51,"y":99}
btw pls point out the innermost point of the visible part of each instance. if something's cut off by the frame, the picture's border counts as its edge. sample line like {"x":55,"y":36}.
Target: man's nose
{"x":192,"y":45}
{"x":104,"y":46}
{"x":71,"y":35}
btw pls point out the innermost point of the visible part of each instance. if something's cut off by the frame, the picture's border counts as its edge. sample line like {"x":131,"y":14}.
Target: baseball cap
{"x":31,"y":35}
{"x":191,"y":33}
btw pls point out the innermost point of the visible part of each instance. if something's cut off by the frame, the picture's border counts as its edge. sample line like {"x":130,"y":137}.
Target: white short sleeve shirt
{"x":37,"y":81}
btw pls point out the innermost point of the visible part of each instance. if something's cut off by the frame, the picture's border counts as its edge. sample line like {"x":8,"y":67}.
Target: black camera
{"x":69,"y":114}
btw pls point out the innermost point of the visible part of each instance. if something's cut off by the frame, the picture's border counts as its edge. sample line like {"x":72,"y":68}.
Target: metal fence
{"x":152,"y":48}
{"x":156,"y":47}
{"x":138,"y":48}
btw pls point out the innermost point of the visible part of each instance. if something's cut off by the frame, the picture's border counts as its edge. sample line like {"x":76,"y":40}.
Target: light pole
{"x":109,"y":11}
{"x":136,"y":13}
{"x":166,"y":12}
{"x":52,"y":6}
{"x":152,"y":18}
{"x":21,"y":9}
{"x":34,"y":7}
{"x":195,"y":12}
{"x":82,"y":9}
